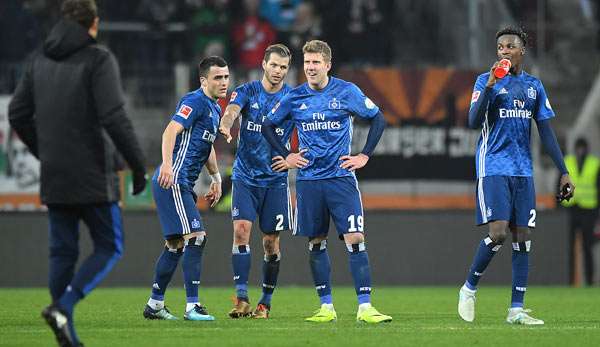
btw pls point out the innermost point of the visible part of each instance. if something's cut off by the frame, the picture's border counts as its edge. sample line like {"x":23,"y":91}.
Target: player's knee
{"x":497,"y":236}
{"x":354,"y":238}
{"x":174,"y":243}
{"x":241,"y":233}
{"x":317,"y":239}
{"x":196,"y":239}
{"x":271,"y":244}
{"x":241,"y":238}
{"x":521,"y":241}
{"x":317,"y":244}
{"x":521,"y":234}
{"x":498,"y":232}
{"x":355,"y":242}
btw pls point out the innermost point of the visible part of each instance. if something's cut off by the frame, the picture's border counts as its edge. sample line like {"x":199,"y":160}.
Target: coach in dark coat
{"x":68,"y":110}
{"x":68,"y":100}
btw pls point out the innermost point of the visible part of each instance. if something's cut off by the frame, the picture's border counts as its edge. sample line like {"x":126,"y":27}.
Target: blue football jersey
{"x":324,"y":122}
{"x":504,"y":146}
{"x":254,"y":154}
{"x":199,"y":115}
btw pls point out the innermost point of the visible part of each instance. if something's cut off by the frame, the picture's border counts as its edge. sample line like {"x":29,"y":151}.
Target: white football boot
{"x":518,"y":315}
{"x":466,"y":304}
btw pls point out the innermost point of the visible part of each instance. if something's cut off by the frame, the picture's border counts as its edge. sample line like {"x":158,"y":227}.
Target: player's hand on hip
{"x":492,"y":79}
{"x":567,"y":188}
{"x":279,"y":164}
{"x":354,"y":162}
{"x":226,"y":132}
{"x":296,"y":160}
{"x":165,"y":176}
{"x":214,"y":193}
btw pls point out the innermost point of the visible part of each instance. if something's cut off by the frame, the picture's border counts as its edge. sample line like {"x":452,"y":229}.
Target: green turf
{"x":422,"y":317}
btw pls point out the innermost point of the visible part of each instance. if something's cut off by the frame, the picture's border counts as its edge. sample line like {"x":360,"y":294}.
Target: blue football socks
{"x":520,"y":271}
{"x":165,"y":267}
{"x":321,"y":270}
{"x":192,"y":266}
{"x":270,"y":273}
{"x":361,"y":271}
{"x":485,"y":252}
{"x":240,"y":259}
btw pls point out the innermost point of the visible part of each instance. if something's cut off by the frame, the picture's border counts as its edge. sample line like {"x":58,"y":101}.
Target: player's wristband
{"x":216,"y":178}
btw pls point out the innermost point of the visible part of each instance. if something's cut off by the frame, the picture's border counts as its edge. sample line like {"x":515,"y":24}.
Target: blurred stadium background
{"x":417,"y":59}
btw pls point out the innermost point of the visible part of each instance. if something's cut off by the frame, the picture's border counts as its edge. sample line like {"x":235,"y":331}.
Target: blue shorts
{"x":177,"y":210}
{"x":509,"y":198}
{"x":319,"y":200}
{"x":272,"y":205}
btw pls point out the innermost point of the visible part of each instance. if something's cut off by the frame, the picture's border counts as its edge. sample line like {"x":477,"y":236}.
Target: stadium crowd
{"x":159,"y":33}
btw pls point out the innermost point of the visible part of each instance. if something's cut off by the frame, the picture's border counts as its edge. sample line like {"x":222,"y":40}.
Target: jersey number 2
{"x":279,"y":225}
{"x":531,"y":222}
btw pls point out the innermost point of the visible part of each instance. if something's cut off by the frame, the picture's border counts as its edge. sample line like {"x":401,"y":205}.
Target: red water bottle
{"x":502,"y":69}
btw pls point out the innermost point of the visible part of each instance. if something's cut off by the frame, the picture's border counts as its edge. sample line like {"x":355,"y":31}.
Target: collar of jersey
{"x":268,"y":93}
{"x":206,"y":96}
{"x":327,"y":87}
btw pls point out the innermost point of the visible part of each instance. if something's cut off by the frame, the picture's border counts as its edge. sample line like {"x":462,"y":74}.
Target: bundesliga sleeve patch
{"x":184,"y":111}
{"x":475,"y":96}
{"x":548,"y":104}
{"x":233,"y":96}
{"x":369,"y":104}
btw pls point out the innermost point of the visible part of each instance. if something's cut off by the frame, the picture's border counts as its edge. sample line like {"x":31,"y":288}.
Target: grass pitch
{"x":423,"y":316}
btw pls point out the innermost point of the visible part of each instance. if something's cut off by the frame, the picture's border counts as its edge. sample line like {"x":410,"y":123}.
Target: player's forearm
{"x":230,"y":115}
{"x":211,"y":163}
{"x":268,"y":131}
{"x":375,"y":132}
{"x":168,"y":144}
{"x":550,"y":143}
{"x":478,"y":109}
